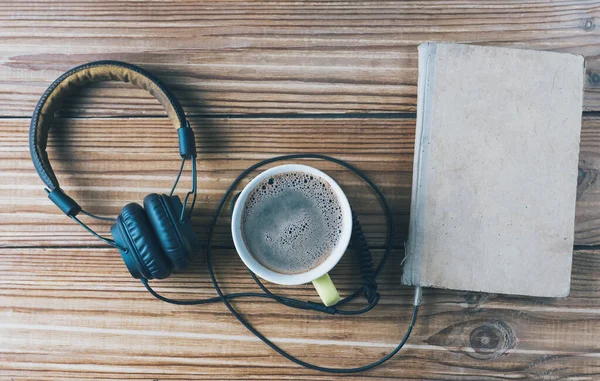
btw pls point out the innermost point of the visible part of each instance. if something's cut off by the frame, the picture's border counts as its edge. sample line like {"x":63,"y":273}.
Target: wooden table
{"x":259,"y":79}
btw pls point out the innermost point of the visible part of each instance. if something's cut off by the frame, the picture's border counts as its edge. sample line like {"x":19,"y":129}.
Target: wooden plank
{"x":105,"y":164}
{"x":76,"y":313}
{"x":270,"y":57}
{"x":587,"y":217}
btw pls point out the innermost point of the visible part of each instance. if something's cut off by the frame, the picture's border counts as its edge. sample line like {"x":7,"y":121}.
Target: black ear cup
{"x":143,"y":256}
{"x":175,"y":237}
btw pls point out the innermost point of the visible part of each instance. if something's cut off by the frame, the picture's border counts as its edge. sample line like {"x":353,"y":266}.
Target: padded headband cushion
{"x":91,"y":72}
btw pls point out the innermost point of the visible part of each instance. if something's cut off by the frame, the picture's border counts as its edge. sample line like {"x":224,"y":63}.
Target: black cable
{"x":248,"y":326}
{"x":200,"y":301}
{"x":368,"y":308}
{"x":369,"y":288}
{"x":178,"y":176}
{"x":97,"y":217}
{"x":302,"y":305}
{"x":109,"y":241}
{"x":367,"y":273}
{"x":194,"y":192}
{"x":305,"y":364}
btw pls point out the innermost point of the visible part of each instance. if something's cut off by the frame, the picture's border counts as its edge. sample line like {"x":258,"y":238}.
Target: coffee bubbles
{"x":291,"y":222}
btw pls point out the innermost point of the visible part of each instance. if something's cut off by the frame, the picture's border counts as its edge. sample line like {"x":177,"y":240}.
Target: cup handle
{"x":326,"y":290}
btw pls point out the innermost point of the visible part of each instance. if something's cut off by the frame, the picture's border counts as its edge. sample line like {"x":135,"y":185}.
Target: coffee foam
{"x":291,"y":222}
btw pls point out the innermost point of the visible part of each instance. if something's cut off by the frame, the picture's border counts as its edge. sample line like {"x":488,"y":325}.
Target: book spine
{"x":414,"y":246}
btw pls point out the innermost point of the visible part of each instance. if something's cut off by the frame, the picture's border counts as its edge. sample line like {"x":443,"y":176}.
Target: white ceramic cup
{"x":319,"y":275}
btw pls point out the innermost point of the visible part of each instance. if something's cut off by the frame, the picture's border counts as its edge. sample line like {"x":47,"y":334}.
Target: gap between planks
{"x":366,"y":115}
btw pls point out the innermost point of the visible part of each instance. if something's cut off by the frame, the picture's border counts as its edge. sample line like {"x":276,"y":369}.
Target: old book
{"x":495,"y":170}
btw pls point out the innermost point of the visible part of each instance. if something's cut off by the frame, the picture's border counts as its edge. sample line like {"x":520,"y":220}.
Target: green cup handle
{"x":326,"y":290}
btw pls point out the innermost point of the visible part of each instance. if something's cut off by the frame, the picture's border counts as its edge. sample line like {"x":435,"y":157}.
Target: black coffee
{"x":291,"y":222}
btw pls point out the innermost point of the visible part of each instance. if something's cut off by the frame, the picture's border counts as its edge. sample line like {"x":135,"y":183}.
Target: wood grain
{"x":587,"y":218}
{"x":263,"y":78}
{"x":106,"y":163}
{"x":270,"y":57}
{"x":76,"y":313}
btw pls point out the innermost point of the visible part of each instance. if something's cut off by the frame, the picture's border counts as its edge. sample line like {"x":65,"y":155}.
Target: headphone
{"x":156,"y":239}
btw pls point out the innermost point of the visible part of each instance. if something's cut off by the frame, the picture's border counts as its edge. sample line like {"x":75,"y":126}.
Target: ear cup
{"x":174,"y":236}
{"x":144,"y":254}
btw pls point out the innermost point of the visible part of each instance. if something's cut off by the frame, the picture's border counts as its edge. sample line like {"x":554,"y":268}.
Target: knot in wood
{"x":586,"y":177}
{"x":491,"y":339}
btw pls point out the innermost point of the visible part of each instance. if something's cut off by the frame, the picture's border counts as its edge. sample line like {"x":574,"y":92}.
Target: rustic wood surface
{"x":271,"y":57}
{"x":262,"y":79}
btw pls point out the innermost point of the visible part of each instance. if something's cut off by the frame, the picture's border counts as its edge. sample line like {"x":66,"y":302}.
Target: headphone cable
{"x":245,"y":323}
{"x":369,"y":289}
{"x":368,"y":274}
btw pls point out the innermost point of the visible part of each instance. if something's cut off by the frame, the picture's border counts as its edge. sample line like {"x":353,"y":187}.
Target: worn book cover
{"x":495,"y":170}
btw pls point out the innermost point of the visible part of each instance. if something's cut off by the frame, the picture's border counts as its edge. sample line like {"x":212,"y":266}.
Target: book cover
{"x":495,"y":170}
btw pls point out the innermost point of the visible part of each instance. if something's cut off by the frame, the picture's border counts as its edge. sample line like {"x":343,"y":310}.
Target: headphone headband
{"x":99,"y":71}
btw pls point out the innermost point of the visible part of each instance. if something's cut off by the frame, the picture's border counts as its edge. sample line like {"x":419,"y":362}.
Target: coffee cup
{"x":291,"y":226}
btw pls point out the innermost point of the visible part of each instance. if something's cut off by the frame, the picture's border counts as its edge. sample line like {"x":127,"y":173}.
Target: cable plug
{"x":320,"y":308}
